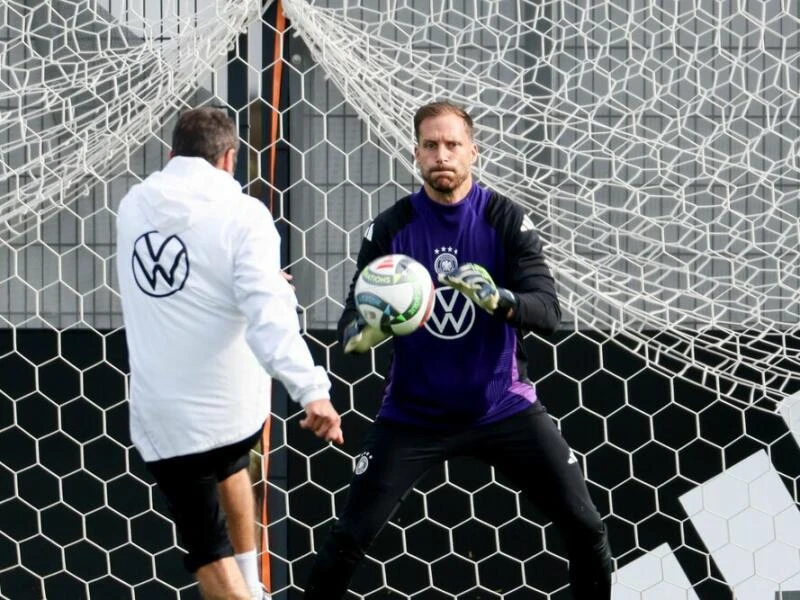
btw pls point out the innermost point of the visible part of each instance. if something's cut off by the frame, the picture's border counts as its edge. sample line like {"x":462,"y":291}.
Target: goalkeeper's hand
{"x":359,"y":337}
{"x":476,"y":284}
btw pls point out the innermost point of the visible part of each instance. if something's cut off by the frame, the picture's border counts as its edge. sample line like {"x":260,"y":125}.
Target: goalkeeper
{"x":458,"y":387}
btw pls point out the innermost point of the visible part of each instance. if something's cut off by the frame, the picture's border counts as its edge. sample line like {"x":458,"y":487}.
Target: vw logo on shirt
{"x":160,"y":264}
{"x":453,"y":314}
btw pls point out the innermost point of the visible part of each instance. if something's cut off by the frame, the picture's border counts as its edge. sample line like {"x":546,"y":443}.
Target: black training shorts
{"x":189,"y":484}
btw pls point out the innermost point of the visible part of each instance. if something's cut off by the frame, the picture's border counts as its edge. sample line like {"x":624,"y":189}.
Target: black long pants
{"x":527,"y":448}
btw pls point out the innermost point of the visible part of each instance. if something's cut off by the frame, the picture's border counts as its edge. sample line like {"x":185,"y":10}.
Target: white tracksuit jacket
{"x":206,"y":312}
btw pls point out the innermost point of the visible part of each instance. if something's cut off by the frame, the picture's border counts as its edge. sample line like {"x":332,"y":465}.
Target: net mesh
{"x":82,"y":88}
{"x":655,"y":148}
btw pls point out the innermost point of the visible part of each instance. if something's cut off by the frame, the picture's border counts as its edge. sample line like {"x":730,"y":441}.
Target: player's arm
{"x":527,"y":275}
{"x":354,"y":334}
{"x":273,"y":330}
{"x":530,"y":281}
{"x":528,"y":299}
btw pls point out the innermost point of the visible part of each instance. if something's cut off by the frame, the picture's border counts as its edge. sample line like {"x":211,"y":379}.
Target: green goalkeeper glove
{"x":476,"y":284}
{"x":359,"y":337}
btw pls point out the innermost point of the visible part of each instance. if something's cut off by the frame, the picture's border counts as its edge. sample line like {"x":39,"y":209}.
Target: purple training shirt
{"x":460,"y":369}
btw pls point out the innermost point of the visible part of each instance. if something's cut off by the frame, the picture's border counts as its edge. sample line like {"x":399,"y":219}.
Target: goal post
{"x":654,"y":146}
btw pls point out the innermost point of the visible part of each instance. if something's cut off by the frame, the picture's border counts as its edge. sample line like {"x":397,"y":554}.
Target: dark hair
{"x":204,"y":132}
{"x":437,"y":109}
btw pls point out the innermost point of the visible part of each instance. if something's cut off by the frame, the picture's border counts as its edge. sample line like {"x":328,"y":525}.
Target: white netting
{"x":654,"y":143}
{"x":81,"y":89}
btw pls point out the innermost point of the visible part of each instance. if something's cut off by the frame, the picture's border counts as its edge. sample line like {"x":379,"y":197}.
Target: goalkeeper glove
{"x":476,"y":284}
{"x":359,"y":337}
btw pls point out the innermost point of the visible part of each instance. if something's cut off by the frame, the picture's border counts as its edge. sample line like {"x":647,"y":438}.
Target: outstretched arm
{"x":273,"y":330}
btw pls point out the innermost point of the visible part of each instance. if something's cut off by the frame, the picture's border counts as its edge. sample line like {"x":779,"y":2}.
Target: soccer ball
{"x":395,"y":294}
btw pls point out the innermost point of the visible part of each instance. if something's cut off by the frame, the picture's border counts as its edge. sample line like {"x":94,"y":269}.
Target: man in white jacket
{"x":209,"y":318}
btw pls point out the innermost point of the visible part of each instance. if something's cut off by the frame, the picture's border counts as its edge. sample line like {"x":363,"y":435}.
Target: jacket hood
{"x":186,"y":188}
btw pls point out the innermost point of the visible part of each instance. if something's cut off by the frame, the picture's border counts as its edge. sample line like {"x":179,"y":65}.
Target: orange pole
{"x":277,"y":76}
{"x":266,"y":574}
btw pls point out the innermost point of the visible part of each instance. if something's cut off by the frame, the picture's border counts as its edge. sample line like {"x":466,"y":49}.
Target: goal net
{"x":655,"y":148}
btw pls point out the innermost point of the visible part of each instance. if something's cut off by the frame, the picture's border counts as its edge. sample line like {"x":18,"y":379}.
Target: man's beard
{"x":453,"y":180}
